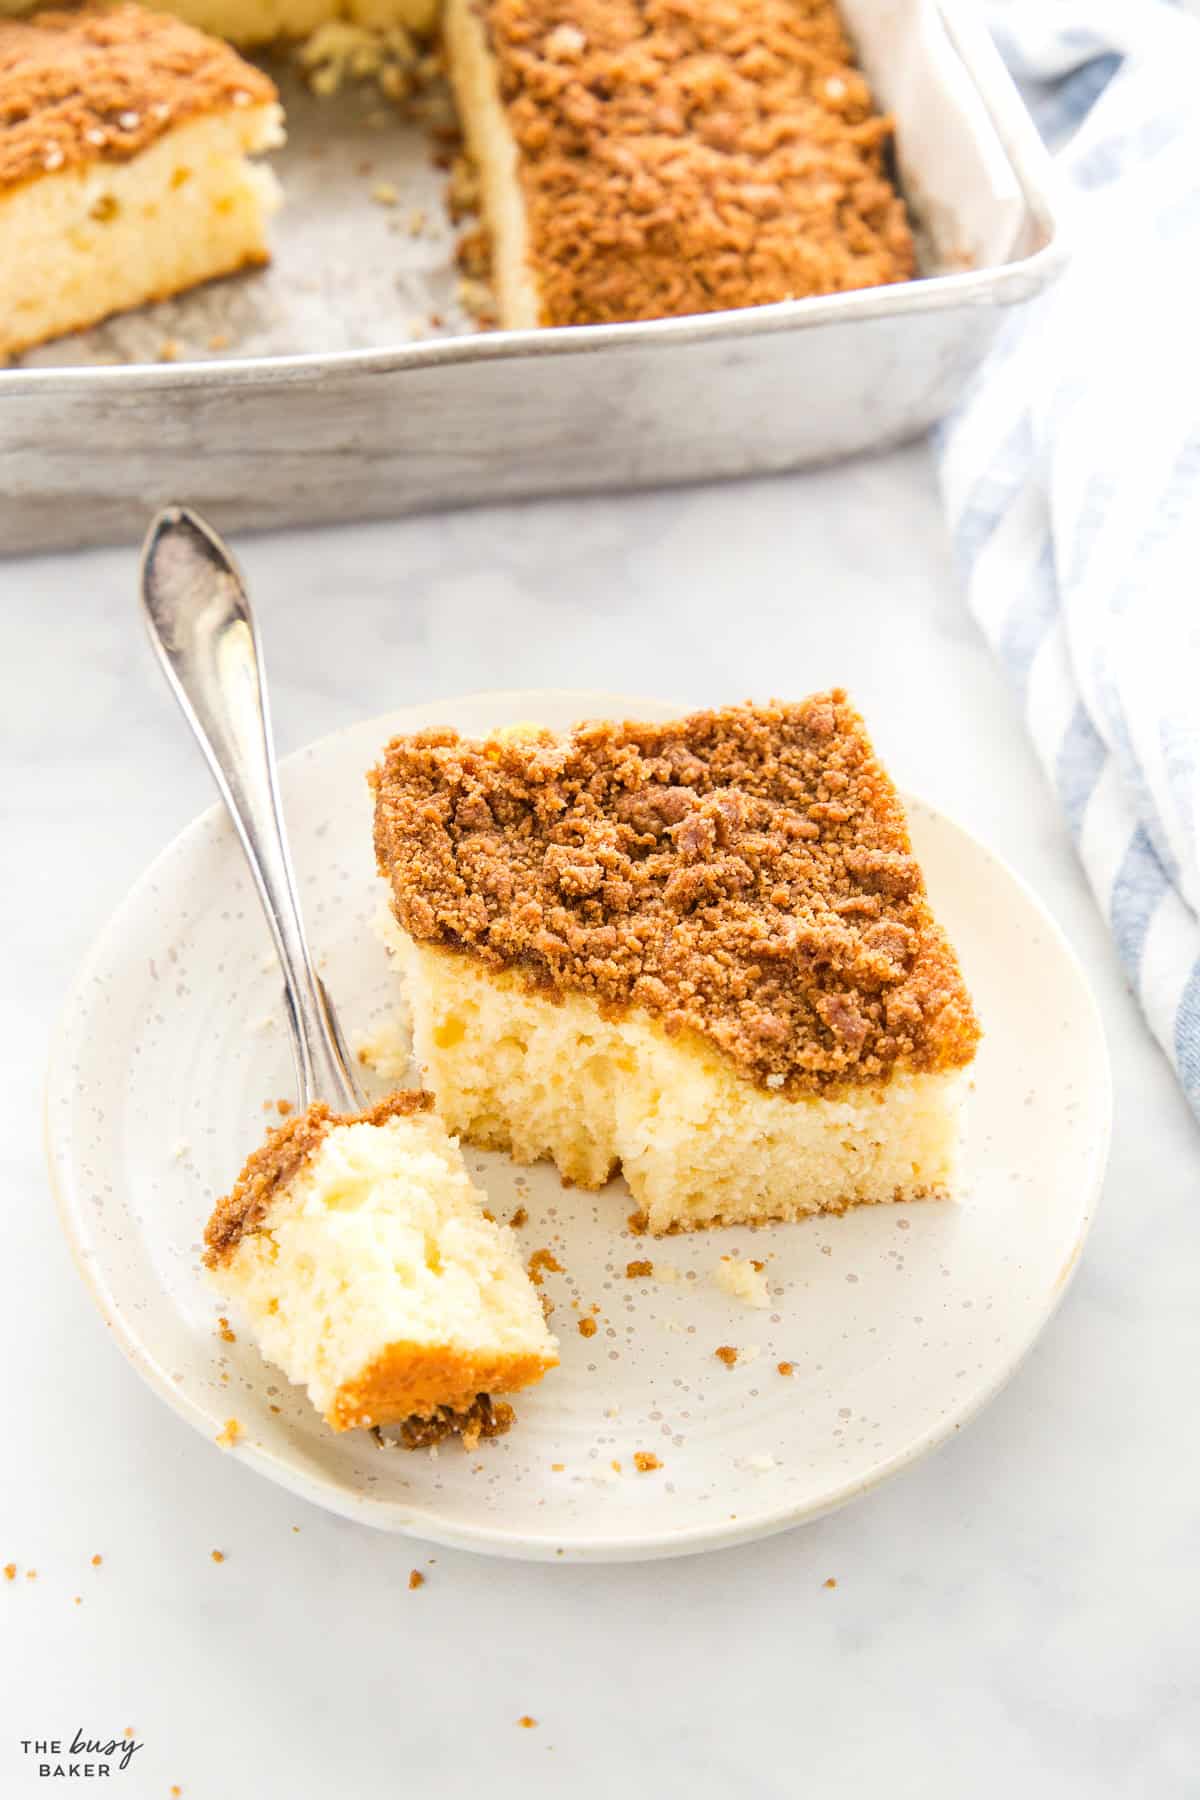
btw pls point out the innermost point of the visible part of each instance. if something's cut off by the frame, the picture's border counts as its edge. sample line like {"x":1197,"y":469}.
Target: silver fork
{"x":200,"y":622}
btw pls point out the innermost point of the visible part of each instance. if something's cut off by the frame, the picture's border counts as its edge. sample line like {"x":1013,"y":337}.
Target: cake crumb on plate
{"x":645,"y":1461}
{"x":743,"y":1278}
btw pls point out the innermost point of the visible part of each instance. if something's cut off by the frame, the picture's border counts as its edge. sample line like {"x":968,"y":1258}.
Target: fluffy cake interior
{"x":372,"y":1277}
{"x":102,"y":236}
{"x":475,"y":80}
{"x":698,"y":1144}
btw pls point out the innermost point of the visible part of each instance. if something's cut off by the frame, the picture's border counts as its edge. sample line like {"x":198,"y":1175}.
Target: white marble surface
{"x":1017,"y":1612}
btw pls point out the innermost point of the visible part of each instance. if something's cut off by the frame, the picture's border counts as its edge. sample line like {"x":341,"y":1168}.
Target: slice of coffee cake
{"x":700,"y":951}
{"x":125,"y":139}
{"x":360,"y":1251}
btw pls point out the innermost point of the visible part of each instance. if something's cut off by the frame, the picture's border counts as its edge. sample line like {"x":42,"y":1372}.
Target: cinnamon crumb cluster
{"x":102,"y":82}
{"x":683,"y":156}
{"x":484,"y":1418}
{"x":744,"y":874}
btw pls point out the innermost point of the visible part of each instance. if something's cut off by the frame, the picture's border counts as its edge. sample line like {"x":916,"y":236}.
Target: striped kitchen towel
{"x":1071,"y":474}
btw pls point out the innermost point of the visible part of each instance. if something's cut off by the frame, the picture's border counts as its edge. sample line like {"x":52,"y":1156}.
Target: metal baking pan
{"x":317,"y":413}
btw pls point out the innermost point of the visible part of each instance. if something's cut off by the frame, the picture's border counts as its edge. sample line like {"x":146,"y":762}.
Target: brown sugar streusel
{"x":745,"y":875}
{"x":683,"y":156}
{"x":103,"y":83}
{"x":543,"y":1261}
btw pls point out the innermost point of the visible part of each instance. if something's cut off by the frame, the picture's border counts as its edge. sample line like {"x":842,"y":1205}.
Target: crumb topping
{"x":645,"y":1461}
{"x":683,"y":156}
{"x":634,"y":1270}
{"x":587,"y":1328}
{"x":727,"y":1354}
{"x":102,"y":84}
{"x":744,"y":874}
{"x":484,"y":1418}
{"x":543,"y":1261}
{"x":274,"y":1164}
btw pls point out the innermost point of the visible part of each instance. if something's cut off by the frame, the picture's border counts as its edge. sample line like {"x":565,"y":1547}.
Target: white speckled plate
{"x":898,"y":1322}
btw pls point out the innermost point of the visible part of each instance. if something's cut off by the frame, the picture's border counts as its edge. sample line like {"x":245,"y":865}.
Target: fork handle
{"x":202,"y":628}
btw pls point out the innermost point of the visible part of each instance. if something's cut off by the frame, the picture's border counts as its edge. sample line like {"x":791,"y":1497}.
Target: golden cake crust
{"x":684,"y":156}
{"x":275,"y":1163}
{"x":100,"y":83}
{"x":438,"y":1383}
{"x":745,"y":874}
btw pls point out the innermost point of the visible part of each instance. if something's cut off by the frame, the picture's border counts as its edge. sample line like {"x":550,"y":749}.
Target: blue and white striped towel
{"x":1071,"y":474}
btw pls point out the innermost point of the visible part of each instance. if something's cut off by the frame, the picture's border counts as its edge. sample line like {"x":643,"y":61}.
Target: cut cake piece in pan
{"x":360,"y":1252}
{"x":643,"y":159}
{"x":125,"y":172}
{"x":701,"y":952}
{"x":253,"y":22}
